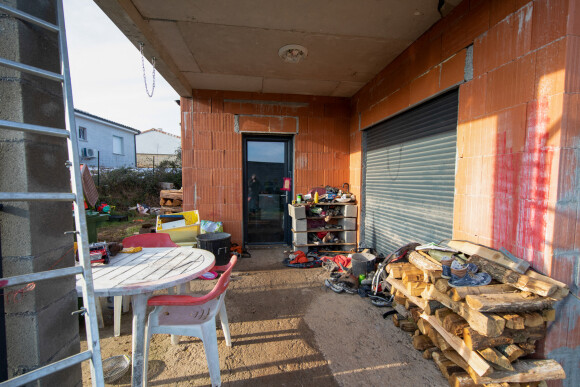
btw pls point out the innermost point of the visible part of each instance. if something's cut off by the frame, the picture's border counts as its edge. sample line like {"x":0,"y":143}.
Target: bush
{"x":125,"y":187}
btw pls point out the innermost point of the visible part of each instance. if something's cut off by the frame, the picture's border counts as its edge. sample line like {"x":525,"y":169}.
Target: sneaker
{"x":464,"y":277}
{"x":333,"y":286}
{"x":472,"y":268}
{"x":446,"y":266}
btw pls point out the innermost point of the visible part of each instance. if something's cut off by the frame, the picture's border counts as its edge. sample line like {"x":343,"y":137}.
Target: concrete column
{"x":40,"y":328}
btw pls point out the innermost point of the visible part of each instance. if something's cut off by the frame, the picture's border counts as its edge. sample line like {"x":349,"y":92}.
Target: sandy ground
{"x":287,"y":330}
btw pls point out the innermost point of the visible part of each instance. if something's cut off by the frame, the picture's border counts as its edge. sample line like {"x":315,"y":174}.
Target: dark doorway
{"x":267,"y":161}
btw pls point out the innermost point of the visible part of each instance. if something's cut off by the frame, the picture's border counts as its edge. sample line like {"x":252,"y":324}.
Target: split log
{"x":408,"y":326}
{"x":517,"y":280}
{"x":496,"y":358}
{"x":416,"y":314}
{"x":177,"y":202}
{"x":402,"y":311}
{"x":397,"y":318}
{"x":446,"y":366}
{"x":441,"y":314}
{"x":434,"y":276}
{"x":525,"y":371}
{"x":454,"y":323}
{"x":549,"y":314}
{"x":528,"y":347}
{"x":511,"y":351}
{"x":507,"y":302}
{"x":422,"y":342}
{"x":396,"y":269}
{"x":513,"y":321}
{"x":486,"y":324}
{"x":490,"y":254}
{"x":397,"y":284}
{"x":428,"y":353}
{"x":416,"y":288}
{"x":168,"y":203}
{"x":462,"y":379}
{"x":422,"y":262}
{"x":411,"y":277}
{"x":475,"y":361}
{"x":400,"y":299}
{"x":161,"y":201}
{"x":433,"y":306}
{"x":476,"y":341}
{"x":442,"y":285}
{"x":458,"y":294}
{"x":430,"y":258}
{"x":533,"y":319}
{"x":562,"y":290}
{"x":423,"y":326}
{"x":409,"y":305}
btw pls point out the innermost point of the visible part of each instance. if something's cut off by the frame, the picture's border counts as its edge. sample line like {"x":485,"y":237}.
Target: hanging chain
{"x":141,"y":45}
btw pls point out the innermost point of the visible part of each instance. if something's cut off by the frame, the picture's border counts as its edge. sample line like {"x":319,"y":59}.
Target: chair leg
{"x":117,"y":309}
{"x":146,"y":354}
{"x":225,"y":325}
{"x":99,"y":312}
{"x":126,"y":303}
{"x":209,"y":339}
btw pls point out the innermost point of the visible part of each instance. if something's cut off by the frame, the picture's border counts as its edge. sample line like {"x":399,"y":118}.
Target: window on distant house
{"x":82,"y":133}
{"x":117,"y":145}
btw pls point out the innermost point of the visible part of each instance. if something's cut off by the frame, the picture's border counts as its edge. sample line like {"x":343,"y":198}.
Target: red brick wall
{"x":518,"y":170}
{"x":212,"y":148}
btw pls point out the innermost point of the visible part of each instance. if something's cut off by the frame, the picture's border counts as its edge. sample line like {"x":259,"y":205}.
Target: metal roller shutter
{"x":409,"y":176}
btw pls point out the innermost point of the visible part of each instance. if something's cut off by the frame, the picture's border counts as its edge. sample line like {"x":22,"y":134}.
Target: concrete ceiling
{"x":233,"y":45}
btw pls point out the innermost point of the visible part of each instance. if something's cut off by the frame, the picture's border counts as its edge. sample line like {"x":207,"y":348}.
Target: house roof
{"x":234,"y":45}
{"x":159,"y":131}
{"x":121,"y":126}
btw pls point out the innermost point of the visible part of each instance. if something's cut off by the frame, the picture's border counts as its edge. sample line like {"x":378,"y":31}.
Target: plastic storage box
{"x":185,"y":235}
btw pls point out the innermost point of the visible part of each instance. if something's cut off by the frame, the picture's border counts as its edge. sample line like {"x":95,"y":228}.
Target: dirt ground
{"x":287,"y":330}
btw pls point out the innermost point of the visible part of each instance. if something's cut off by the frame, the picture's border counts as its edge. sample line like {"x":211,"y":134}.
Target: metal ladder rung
{"x":29,"y":18}
{"x":36,"y":129}
{"x":36,"y":197}
{"x":31,"y":70}
{"x":40,"y":276}
{"x":48,"y":369}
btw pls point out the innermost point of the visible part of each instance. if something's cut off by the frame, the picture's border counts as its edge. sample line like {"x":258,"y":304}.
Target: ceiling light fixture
{"x":293,"y":53}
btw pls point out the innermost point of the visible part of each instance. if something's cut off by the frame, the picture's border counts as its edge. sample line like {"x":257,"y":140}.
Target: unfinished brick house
{"x":461,"y":122}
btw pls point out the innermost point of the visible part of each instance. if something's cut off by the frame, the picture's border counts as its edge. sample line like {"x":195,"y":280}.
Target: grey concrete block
{"x":348,"y":224}
{"x":21,"y":343}
{"x":349,"y":211}
{"x":299,"y":224}
{"x":300,"y":238}
{"x":298,"y":212}
{"x":348,"y":236}
{"x":72,"y":375}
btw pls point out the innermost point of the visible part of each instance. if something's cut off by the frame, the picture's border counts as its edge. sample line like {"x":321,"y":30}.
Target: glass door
{"x":267,"y":191}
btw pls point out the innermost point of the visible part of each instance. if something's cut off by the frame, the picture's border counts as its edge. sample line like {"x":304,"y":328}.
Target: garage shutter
{"x":409,"y":176}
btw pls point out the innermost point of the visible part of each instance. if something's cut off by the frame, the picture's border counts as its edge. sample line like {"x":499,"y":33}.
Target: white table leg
{"x":139,"y":316}
{"x":99,"y":311}
{"x":117,"y":308}
{"x":126,"y":303}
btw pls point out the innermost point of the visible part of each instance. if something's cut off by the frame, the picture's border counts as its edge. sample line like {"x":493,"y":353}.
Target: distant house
{"x":104,"y":143}
{"x":155,"y":146}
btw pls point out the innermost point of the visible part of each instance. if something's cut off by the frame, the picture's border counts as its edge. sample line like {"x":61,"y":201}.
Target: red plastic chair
{"x":149,"y":240}
{"x":189,"y":315}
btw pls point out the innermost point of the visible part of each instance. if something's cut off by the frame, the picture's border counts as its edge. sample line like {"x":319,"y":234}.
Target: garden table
{"x":139,"y":275}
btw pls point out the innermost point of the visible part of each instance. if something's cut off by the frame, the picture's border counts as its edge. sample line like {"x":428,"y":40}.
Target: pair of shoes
{"x":339,"y":287}
{"x":448,"y":263}
{"x":381,"y":302}
{"x":465,"y":277}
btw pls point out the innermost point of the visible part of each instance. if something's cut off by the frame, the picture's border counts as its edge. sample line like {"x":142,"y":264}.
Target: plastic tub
{"x":218,"y":243}
{"x":362,"y":263}
{"x":185,"y":234}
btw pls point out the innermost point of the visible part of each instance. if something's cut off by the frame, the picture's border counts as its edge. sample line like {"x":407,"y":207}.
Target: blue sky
{"x":106,"y":73}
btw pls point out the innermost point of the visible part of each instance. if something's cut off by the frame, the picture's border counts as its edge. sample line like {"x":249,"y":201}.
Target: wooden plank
{"x":398,"y":284}
{"x":517,"y":280}
{"x":493,"y":255}
{"x":171,"y":194}
{"x":446,"y":366}
{"x":486,"y":324}
{"x":525,"y":371}
{"x":458,"y":294}
{"x":475,"y":361}
{"x":396,"y":269}
{"x":533,"y":319}
{"x":562,"y":290}
{"x":507,"y":302}
{"x":416,"y":288}
{"x":430,"y":258}
{"x":462,"y":379}
{"x":411,"y":277}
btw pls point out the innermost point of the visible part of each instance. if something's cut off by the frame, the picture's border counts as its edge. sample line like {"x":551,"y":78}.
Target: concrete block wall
{"x":518,"y":177}
{"x":40,"y":328}
{"x":213,"y":123}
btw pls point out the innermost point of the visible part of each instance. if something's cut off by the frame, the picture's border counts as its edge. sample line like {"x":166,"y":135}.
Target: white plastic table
{"x":139,"y":275}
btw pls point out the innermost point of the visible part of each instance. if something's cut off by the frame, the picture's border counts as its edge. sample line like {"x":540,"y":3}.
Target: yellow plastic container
{"x":186,"y":235}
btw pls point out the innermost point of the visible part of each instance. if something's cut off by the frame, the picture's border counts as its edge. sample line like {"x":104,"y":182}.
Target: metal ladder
{"x":75,"y":196}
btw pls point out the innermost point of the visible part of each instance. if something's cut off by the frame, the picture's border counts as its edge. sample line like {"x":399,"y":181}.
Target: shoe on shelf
{"x":464,"y":277}
{"x":449,"y":263}
{"x":457,"y":265}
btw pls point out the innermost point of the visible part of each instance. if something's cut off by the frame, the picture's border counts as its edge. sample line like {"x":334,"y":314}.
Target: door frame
{"x":288,"y":141}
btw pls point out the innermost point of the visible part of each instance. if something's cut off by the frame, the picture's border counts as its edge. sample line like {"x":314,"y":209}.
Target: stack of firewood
{"x":476,"y":335}
{"x":171,"y":200}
